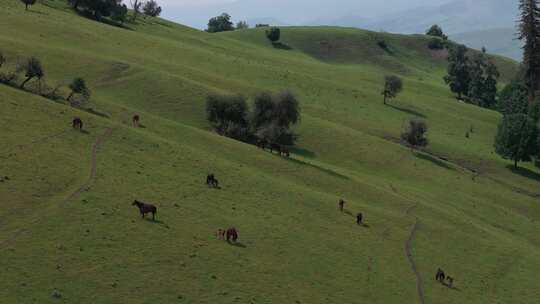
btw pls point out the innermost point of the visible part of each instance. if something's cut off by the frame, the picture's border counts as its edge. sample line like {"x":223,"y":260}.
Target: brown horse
{"x":231,"y":234}
{"x":440,"y":275}
{"x":285,"y":152}
{"x":220,"y":234}
{"x":77,"y":123}
{"x":275,"y":147}
{"x":145,"y":208}
{"x":136,"y":120}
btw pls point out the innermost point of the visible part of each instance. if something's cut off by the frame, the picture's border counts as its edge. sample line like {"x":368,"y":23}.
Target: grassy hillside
{"x":68,"y":228}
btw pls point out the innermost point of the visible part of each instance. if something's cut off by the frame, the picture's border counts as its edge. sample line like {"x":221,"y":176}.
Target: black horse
{"x":232,"y":234}
{"x":440,"y":276}
{"x":359,"y":218}
{"x":212,"y":181}
{"x":145,"y":208}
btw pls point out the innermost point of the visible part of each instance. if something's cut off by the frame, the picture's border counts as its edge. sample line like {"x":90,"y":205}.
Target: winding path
{"x":86,"y":185}
{"x":408,"y":252}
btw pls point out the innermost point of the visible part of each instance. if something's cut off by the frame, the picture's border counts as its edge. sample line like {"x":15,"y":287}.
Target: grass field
{"x":67,"y":227}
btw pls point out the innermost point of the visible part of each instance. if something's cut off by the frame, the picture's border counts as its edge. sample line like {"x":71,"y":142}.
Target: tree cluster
{"x":436,"y":31}
{"x":271,"y":119}
{"x":99,"y":9}
{"x":414,"y":134}
{"x":221,"y":23}
{"x":472,"y":79}
{"x":30,"y":72}
{"x":273,"y":34}
{"x":518,"y":133}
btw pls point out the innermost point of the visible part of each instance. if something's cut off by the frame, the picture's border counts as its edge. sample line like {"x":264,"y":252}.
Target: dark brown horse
{"x":232,"y":234}
{"x":275,"y":147}
{"x":341,"y":204}
{"x":136,"y":120}
{"x":359,"y":218}
{"x":77,"y":123}
{"x":262,"y":143}
{"x":145,"y":208}
{"x":285,"y":152}
{"x":212,"y":181}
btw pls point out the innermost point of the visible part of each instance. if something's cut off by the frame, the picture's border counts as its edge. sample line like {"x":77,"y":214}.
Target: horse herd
{"x":231,"y":234}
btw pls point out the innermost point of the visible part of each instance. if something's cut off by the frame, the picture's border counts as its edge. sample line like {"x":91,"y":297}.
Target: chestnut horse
{"x":231,"y":234}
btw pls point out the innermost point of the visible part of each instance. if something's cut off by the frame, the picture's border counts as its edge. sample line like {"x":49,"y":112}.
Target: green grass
{"x":295,"y":246}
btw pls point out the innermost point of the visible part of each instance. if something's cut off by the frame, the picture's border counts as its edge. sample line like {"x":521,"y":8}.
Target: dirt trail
{"x":408,"y":252}
{"x":86,"y":185}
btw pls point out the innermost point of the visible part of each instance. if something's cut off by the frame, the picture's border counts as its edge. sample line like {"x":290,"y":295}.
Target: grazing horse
{"x":77,"y":123}
{"x":232,"y":234}
{"x":212,"y":181}
{"x":341,"y":204}
{"x":440,"y":275}
{"x":285,"y":152}
{"x":359,"y":218}
{"x":145,"y":208}
{"x":220,"y":234}
{"x":136,"y":120}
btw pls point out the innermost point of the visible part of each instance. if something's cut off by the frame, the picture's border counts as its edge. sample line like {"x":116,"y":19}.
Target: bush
{"x":32,"y":69}
{"x":393,"y":85}
{"x":382,"y":44}
{"x":78,"y":86}
{"x":415,"y":134}
{"x":273,"y":34}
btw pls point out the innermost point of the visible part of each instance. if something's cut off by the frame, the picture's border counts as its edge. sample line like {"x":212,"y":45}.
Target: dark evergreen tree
{"x":529,"y":33}
{"x":513,"y":99}
{"x":458,"y":71}
{"x":483,"y":76}
{"x":516,"y":138}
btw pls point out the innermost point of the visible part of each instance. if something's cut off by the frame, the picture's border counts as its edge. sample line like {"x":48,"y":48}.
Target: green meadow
{"x":68,"y":232}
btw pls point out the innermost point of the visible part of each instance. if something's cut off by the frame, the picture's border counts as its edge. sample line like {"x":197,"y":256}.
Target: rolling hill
{"x":68,"y":232}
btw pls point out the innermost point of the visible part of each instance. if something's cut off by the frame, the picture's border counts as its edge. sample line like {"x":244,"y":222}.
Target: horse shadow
{"x":155,"y":222}
{"x":141,"y":126}
{"x":408,"y":111}
{"x":237,"y":244}
{"x":85,"y":132}
{"x":524,"y":172}
{"x":450,"y":287}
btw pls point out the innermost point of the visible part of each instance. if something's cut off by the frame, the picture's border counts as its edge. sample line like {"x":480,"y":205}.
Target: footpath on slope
{"x":86,"y":185}
{"x":408,"y":252}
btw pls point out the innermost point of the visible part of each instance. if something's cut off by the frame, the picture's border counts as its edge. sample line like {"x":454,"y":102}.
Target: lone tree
{"x":32,"y":69}
{"x":529,"y":33}
{"x":273,"y":34}
{"x":458,"y":71}
{"x":220,"y":23}
{"x":152,"y":9}
{"x":393,"y":85}
{"x":516,"y":138}
{"x":415,"y":134}
{"x":78,"y":86}
{"x":436,"y":30}
{"x":28,"y":3}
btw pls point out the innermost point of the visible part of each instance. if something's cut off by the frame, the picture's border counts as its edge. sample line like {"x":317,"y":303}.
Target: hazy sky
{"x":197,"y":12}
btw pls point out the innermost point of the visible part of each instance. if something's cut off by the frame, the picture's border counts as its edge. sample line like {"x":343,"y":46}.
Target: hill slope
{"x":68,"y":226}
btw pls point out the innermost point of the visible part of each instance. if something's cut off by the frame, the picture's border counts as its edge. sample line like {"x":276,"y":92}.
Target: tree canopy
{"x":151,"y":8}
{"x":220,"y":23}
{"x":273,"y":34}
{"x":393,"y":85}
{"x":516,"y":138}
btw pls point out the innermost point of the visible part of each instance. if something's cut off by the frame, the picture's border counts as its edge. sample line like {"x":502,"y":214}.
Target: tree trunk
{"x":26,"y":6}
{"x":24,"y":82}
{"x":515,"y":163}
{"x":385,"y":97}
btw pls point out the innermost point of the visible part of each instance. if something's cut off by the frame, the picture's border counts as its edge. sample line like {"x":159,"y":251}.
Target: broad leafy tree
{"x":152,"y":9}
{"x":458,"y":71}
{"x":513,"y":98}
{"x":516,"y":138}
{"x":436,"y":30}
{"x":393,"y":85}
{"x":220,"y":23}
{"x":32,"y":69}
{"x":483,"y":75}
{"x":119,"y":13}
